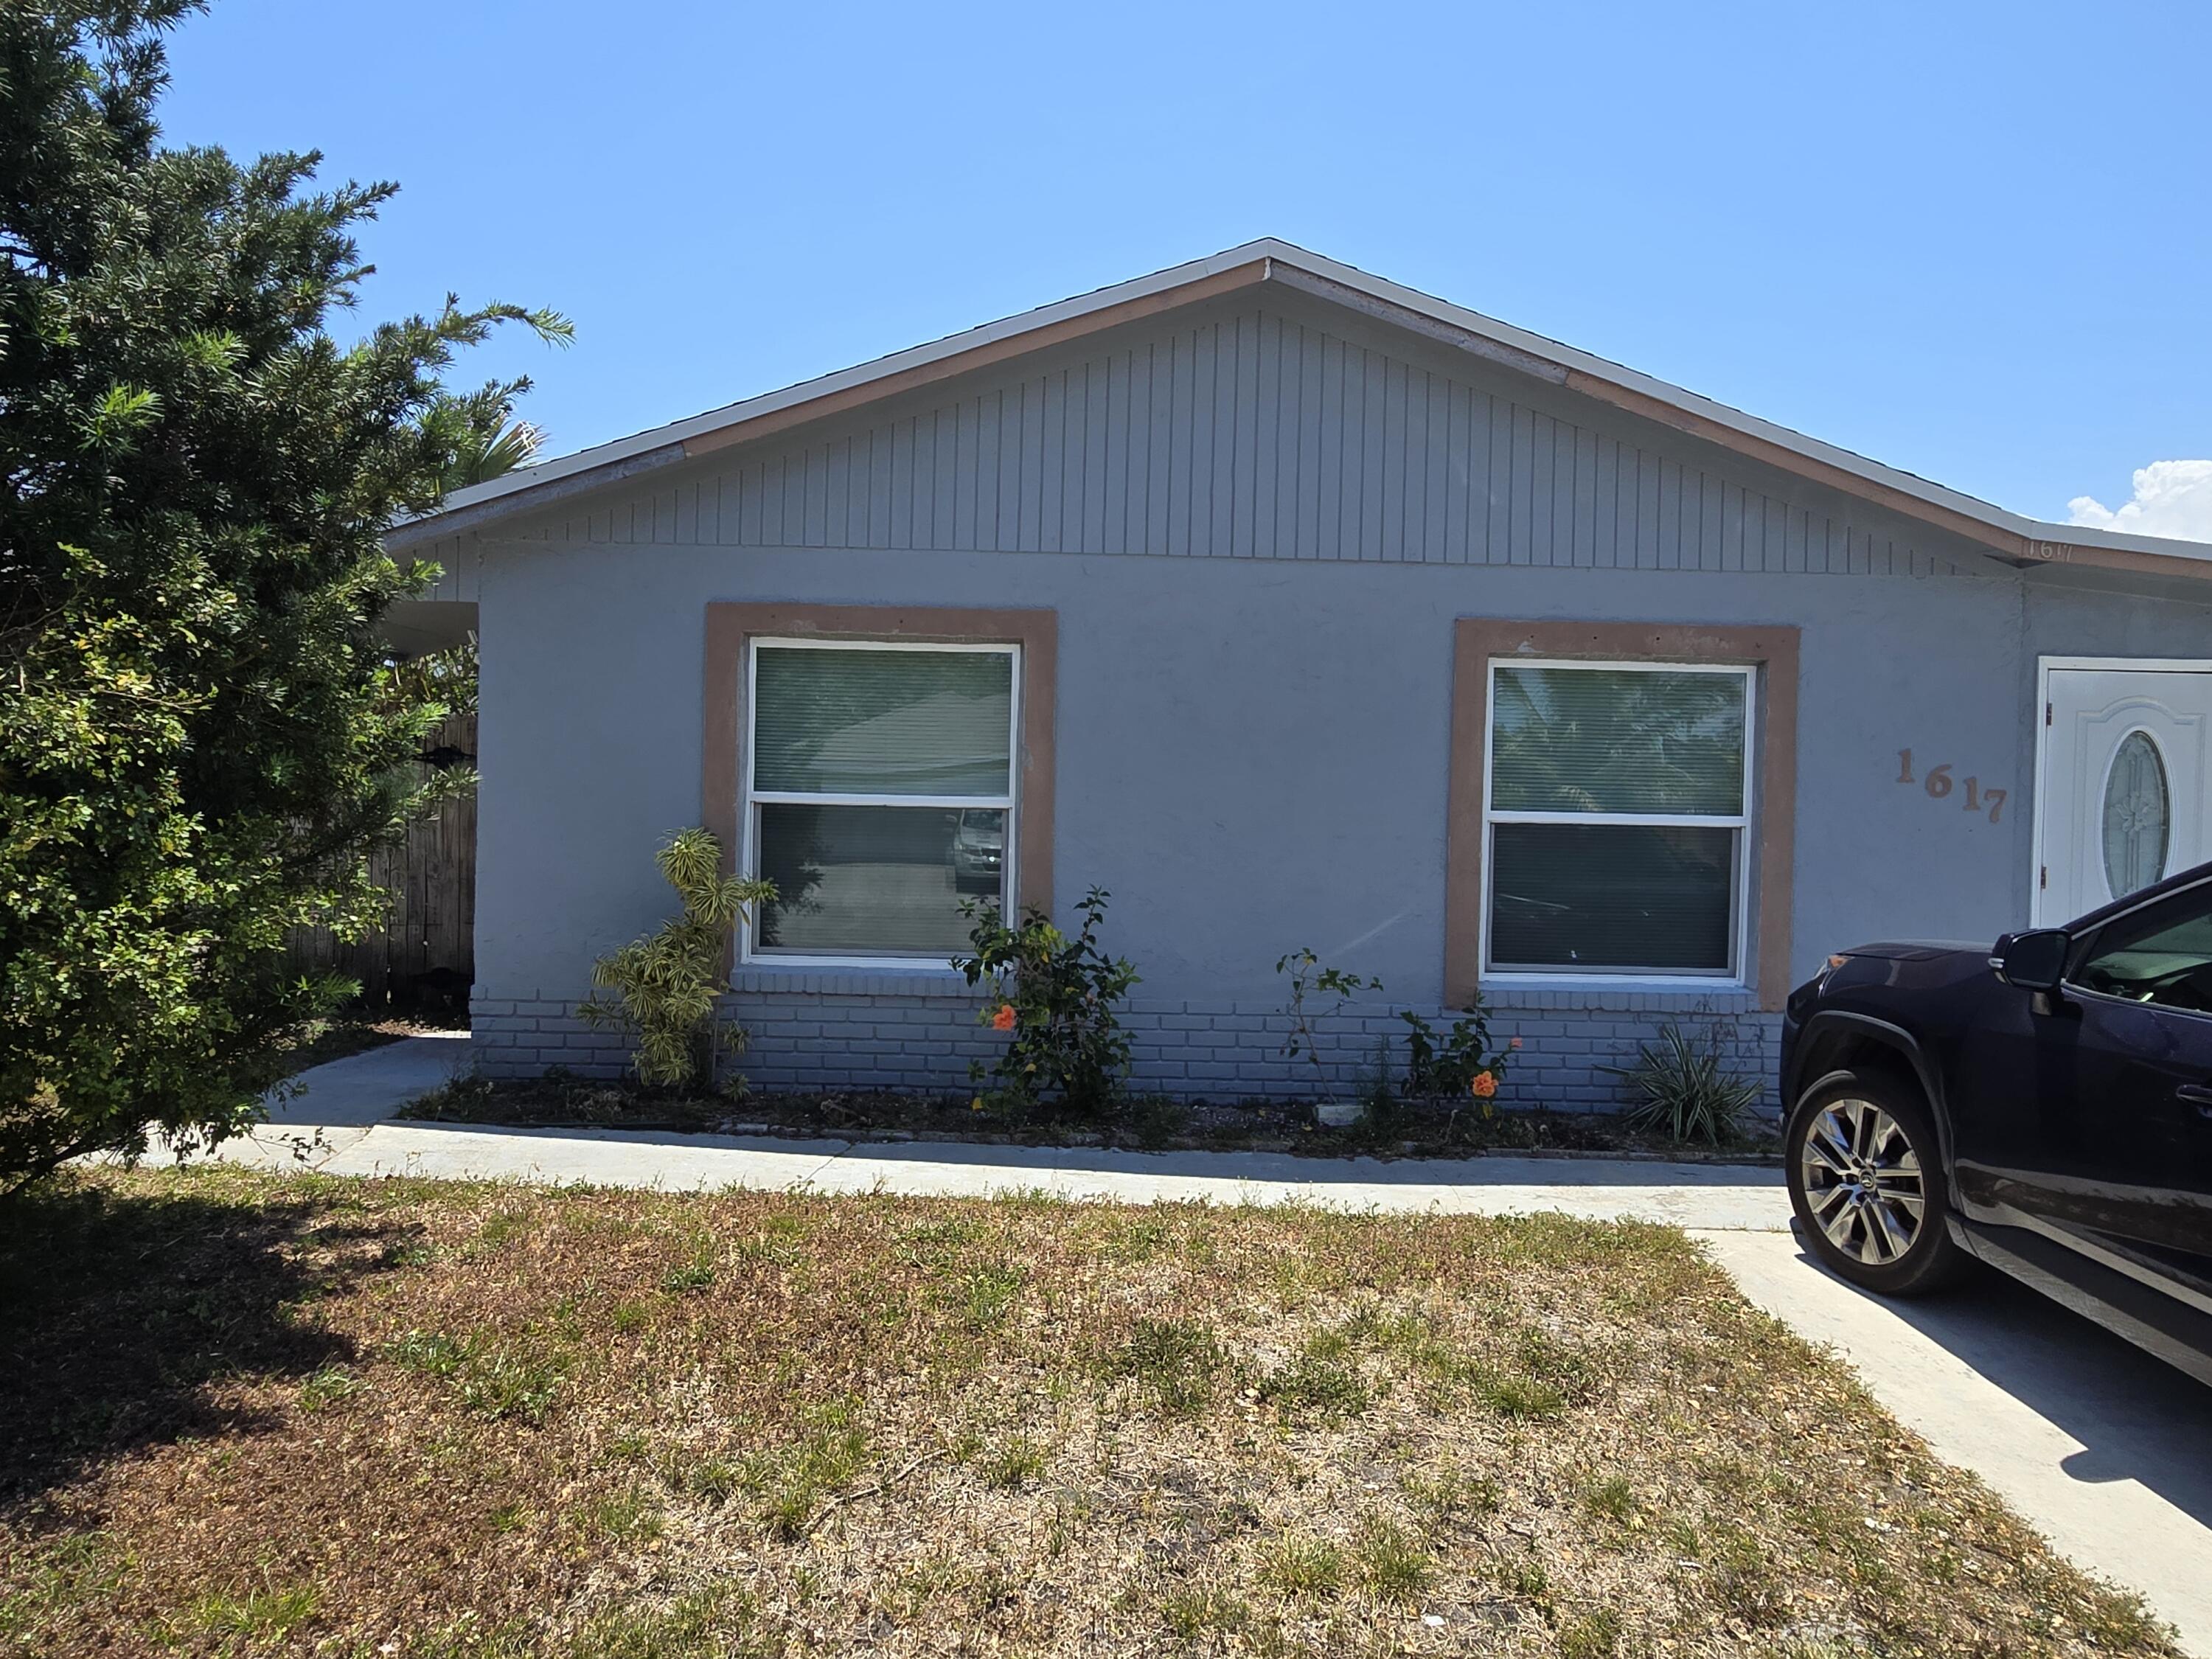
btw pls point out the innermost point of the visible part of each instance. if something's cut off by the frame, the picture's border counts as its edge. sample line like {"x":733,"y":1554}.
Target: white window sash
{"x":1645,"y":820}
{"x":1541,"y":976}
{"x":751,"y":800}
{"x":804,"y":797}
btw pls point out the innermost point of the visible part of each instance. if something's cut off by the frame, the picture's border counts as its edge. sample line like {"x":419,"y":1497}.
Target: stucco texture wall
{"x":1252,"y":757}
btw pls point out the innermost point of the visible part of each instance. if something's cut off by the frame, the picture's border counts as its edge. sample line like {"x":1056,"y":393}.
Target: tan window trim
{"x":1477,"y":640}
{"x":730,"y":625}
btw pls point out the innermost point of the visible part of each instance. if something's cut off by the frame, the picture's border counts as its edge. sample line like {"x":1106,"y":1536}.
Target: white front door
{"x":2124,"y":792}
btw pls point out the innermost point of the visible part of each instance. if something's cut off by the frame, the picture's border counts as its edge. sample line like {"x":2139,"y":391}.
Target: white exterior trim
{"x":1529,"y":978}
{"x":2045,"y":667}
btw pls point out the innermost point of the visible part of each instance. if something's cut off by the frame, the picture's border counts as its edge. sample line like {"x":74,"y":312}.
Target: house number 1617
{"x":1937,"y":783}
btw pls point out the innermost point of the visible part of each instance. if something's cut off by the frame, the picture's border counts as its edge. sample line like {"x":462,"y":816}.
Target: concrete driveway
{"x":2105,"y":1449}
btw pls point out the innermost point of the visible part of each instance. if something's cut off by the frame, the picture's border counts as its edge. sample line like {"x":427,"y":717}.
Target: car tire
{"x":1862,"y":1157}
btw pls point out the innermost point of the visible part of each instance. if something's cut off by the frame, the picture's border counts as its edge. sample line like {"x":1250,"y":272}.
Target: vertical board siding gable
{"x":1260,"y":435}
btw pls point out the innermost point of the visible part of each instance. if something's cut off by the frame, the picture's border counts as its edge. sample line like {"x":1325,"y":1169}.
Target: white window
{"x":879,"y":794}
{"x":1616,"y":810}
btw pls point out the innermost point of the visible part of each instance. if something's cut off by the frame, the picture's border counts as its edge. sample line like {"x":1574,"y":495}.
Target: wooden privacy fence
{"x":424,"y":955}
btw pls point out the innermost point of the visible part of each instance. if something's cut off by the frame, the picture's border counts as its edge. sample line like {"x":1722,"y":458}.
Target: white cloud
{"x":2172,"y":498}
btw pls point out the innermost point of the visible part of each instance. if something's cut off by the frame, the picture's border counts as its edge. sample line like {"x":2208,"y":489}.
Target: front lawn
{"x":246,"y":1414}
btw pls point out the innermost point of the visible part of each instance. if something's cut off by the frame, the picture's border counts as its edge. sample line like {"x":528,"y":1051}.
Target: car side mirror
{"x":2034,"y":961}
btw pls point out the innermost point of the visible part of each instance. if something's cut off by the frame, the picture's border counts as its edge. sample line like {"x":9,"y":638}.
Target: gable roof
{"x":1251,"y":267}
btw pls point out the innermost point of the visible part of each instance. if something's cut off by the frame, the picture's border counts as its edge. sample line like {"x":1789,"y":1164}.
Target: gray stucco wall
{"x":1253,"y":741}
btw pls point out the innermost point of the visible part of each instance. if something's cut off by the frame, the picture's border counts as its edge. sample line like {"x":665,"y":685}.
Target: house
{"x":1296,"y":609}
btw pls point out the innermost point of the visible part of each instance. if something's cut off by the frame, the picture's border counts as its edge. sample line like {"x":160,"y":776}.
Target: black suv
{"x":2045,"y":1106}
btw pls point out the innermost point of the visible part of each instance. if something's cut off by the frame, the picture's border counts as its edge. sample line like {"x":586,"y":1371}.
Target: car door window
{"x":2161,"y":954}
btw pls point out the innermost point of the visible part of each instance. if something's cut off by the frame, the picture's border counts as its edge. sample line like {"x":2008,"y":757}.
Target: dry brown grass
{"x":243,"y":1414}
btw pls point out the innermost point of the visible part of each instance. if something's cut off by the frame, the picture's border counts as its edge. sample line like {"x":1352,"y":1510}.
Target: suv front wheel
{"x":1866,"y":1179}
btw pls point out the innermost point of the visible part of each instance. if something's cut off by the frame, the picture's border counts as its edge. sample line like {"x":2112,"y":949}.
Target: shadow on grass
{"x":125,"y":1311}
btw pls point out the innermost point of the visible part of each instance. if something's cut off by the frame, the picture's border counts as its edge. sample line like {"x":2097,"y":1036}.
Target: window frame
{"x":1741,"y":824}
{"x":750,"y":951}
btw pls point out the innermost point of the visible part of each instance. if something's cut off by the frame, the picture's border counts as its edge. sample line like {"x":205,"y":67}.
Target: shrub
{"x":1308,"y":979}
{"x":665,"y":986}
{"x":1684,"y":1089}
{"x":1461,"y":1066}
{"x":1056,"y":996}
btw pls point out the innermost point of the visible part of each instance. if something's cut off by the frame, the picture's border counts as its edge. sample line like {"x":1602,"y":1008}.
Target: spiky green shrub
{"x":665,"y":985}
{"x":1684,"y":1088}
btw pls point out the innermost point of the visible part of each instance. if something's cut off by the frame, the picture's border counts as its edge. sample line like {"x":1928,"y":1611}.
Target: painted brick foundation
{"x":911,"y":1031}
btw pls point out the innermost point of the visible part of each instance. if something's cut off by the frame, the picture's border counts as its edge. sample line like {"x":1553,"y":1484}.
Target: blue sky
{"x":1971,"y":239}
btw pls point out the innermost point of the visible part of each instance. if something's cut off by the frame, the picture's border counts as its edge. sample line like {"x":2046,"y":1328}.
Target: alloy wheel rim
{"x":1862,"y":1181}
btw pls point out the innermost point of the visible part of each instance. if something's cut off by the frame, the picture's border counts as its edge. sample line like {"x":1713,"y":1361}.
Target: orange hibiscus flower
{"x":1004,"y":1020}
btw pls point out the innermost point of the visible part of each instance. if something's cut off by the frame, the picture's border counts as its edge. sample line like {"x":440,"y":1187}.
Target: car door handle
{"x":2197,"y":1095}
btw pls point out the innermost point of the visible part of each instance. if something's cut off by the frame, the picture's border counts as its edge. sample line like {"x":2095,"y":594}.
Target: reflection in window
{"x":2160,"y":954}
{"x":1618,"y":805}
{"x":880,"y":787}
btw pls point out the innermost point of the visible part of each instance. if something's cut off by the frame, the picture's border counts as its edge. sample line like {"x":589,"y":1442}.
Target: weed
{"x":625,"y":1517}
{"x":1014,"y":1464}
{"x":1449,"y":1493}
{"x":1392,"y":1566}
{"x":499,"y":1384}
{"x":989,"y":1293}
{"x":1613,"y":1498}
{"x":1743,"y":1580}
{"x":1595,"y":1636}
{"x":507,"y":1518}
{"x":714,"y":1479}
{"x":1156,"y":1120}
{"x":67,"y":1573}
{"x":1176,"y":1363}
{"x":715,"y":1619}
{"x":503,"y":1227}
{"x":1298,"y":1564}
{"x":330,"y":1386}
{"x":1190,"y":1613}
{"x":1510,"y":1393}
{"x":266,"y":1615}
{"x":696,"y":1274}
{"x":429,"y":1352}
{"x":1132,"y":1242}
{"x":1528,"y":1580}
{"x":794,"y":1478}
{"x":1311,"y":1383}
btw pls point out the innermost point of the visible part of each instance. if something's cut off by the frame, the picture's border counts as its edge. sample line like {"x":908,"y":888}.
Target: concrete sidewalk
{"x":337,"y":1126}
{"x":1692,"y":1195}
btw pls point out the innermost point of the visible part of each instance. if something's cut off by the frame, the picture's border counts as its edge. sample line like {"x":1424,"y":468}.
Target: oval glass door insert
{"x":2138,"y":812}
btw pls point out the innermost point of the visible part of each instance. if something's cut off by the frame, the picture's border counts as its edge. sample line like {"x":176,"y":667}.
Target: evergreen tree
{"x":199,"y":738}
